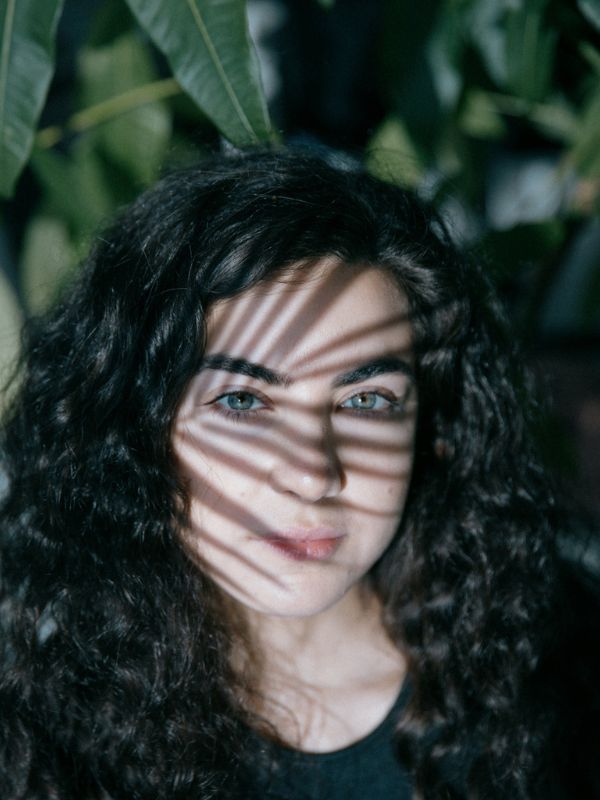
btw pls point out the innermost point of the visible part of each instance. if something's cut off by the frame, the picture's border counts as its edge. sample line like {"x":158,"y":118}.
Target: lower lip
{"x":305,"y":549}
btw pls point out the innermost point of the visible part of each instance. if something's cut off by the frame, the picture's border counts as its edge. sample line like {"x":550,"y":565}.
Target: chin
{"x":292,"y":605}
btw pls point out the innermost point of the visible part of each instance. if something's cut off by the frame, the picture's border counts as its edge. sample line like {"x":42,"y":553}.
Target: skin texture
{"x":314,"y":457}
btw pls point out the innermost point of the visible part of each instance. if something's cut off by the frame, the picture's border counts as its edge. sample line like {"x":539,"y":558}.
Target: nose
{"x":308,"y":466}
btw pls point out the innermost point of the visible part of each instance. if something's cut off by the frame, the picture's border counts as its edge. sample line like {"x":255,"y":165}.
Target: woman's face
{"x":296,"y":437}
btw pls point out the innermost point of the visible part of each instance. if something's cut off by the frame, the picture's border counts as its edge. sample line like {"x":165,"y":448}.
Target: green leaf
{"x":591,"y":55}
{"x":393,"y":156}
{"x":555,"y":119}
{"x":591,"y":10}
{"x":76,"y":188}
{"x":445,"y":50}
{"x":47,"y":261}
{"x":26,"y":67}
{"x":208,"y":47}
{"x":584,"y":155}
{"x":11,"y":320}
{"x":111,"y":71}
{"x":486,"y":23}
{"x":479,"y":116}
{"x":530,"y":51}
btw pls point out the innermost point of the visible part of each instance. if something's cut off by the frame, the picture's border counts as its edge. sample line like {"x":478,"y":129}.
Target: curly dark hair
{"x":116,"y":679}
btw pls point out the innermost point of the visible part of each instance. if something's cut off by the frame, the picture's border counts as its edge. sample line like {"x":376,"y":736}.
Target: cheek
{"x":379,"y":483}
{"x":218,"y":466}
{"x":224,"y":491}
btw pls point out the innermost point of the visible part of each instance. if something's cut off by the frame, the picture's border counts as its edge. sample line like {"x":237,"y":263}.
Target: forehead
{"x":321,"y":315}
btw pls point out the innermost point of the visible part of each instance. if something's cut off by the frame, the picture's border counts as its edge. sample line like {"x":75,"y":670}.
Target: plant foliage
{"x":26,"y":68}
{"x":208,"y":48}
{"x":490,"y":108}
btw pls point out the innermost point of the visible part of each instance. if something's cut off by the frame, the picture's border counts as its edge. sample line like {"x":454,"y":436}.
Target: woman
{"x":272,"y":496}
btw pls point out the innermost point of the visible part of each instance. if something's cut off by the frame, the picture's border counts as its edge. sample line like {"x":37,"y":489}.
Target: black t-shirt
{"x":368,"y":768}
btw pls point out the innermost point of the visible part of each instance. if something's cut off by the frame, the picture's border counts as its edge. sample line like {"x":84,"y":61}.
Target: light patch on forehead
{"x":327,"y":318}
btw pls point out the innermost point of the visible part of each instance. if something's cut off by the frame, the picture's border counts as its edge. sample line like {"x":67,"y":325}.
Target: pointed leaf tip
{"x":208,"y":47}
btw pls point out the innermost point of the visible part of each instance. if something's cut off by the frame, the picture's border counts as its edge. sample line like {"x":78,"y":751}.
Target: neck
{"x":314,"y":648}
{"x":310,"y":671}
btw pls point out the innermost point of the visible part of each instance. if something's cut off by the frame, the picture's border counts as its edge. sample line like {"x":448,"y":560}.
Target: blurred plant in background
{"x":490,"y":108}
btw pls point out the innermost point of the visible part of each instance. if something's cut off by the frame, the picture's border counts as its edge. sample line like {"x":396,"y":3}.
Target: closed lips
{"x":307,"y":534}
{"x":316,"y":544}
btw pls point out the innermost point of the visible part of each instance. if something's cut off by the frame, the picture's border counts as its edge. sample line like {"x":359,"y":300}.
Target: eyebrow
{"x":241,"y":366}
{"x":379,"y":366}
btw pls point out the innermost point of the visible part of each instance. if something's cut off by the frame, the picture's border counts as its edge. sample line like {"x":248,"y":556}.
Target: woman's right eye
{"x":239,"y":402}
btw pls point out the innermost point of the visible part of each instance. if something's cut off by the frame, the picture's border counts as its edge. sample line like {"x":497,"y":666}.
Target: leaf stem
{"x":108,"y":109}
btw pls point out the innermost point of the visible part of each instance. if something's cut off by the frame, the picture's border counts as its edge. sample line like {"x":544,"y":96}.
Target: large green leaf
{"x":208,"y":47}
{"x":26,"y":67}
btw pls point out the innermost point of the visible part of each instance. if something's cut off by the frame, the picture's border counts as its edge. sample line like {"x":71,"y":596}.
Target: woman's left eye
{"x":369,"y":401}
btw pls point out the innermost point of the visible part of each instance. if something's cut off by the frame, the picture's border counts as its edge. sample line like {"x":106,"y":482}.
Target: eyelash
{"x":395,"y":406}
